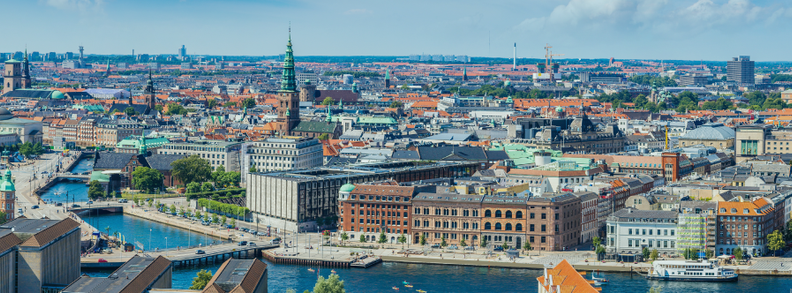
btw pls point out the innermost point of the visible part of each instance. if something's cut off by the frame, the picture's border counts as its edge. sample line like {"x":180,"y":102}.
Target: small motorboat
{"x":395,"y":288}
{"x":420,"y":291}
{"x":408,"y":286}
{"x":311,"y":270}
{"x":332,"y":271}
{"x":405,"y":283}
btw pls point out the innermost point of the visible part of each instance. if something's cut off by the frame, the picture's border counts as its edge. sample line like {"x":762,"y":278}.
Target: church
{"x":16,"y":75}
{"x":288,"y":122}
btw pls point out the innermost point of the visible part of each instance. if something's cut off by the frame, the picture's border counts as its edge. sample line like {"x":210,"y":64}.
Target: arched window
{"x":508,"y":226}
{"x":498,"y":214}
{"x":519,"y":215}
{"x":498,"y":226}
{"x":487,"y":226}
{"x":508,"y":214}
{"x":518,"y":227}
{"x":487,"y":214}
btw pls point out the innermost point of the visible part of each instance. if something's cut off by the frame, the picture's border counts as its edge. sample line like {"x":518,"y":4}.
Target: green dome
{"x":559,"y":109}
{"x":57,"y":95}
{"x":347,"y":188}
{"x":507,"y":83}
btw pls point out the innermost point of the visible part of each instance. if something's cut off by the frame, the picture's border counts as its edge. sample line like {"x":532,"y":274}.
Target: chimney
{"x":559,"y":288}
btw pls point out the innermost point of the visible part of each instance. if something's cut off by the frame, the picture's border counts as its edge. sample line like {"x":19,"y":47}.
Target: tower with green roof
{"x":7,"y":195}
{"x":387,"y":78}
{"x":143,"y":149}
{"x":288,"y":97}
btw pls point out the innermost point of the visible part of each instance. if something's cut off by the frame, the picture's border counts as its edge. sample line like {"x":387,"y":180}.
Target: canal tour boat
{"x":691,"y":271}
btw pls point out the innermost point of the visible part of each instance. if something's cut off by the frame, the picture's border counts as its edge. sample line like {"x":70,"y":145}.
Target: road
{"x":25,"y":184}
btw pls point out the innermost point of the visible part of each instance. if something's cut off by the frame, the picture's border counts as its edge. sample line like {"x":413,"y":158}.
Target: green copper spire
{"x":288,"y":83}
{"x":387,"y":73}
{"x":143,"y":149}
{"x":329,"y":115}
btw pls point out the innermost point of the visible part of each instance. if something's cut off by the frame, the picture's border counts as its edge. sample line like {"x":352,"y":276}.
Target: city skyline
{"x":589,"y":29}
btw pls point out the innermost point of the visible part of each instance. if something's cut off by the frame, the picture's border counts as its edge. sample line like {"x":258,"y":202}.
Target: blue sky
{"x":623,"y":29}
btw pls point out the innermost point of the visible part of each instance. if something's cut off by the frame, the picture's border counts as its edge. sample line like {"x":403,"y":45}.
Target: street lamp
{"x":166,"y":243}
{"x":150,"y":239}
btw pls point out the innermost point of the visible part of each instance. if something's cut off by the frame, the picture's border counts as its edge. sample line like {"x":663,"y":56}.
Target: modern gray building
{"x":693,"y":80}
{"x":285,"y":153}
{"x":304,"y":198}
{"x":740,"y":70}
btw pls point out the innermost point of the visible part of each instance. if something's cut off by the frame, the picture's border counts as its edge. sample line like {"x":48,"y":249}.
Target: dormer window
{"x":745,"y":211}
{"x":734,"y":211}
{"x":723,"y":210}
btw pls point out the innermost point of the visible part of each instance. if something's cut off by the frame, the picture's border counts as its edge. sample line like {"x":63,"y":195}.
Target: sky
{"x":622,"y":29}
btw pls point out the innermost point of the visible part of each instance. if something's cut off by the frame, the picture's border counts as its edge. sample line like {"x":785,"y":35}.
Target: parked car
{"x":200,"y":252}
{"x":275,"y":241}
{"x":242,"y":243}
{"x":435,"y":245}
{"x":251,"y":244}
{"x":470,"y":248}
{"x":123,"y":200}
{"x":34,"y":207}
{"x":101,"y":260}
{"x":89,"y":202}
{"x":452,"y":246}
{"x":498,"y":248}
{"x":261,"y":234}
{"x":75,"y":206}
{"x":59,"y":204}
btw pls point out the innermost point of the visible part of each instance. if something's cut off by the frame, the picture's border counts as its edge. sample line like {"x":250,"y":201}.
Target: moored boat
{"x":691,"y":271}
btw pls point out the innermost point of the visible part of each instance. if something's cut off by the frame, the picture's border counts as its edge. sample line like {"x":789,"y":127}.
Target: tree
{"x":95,"y":190}
{"x":738,"y":253}
{"x":330,"y":285}
{"x":443,"y":242}
{"x":600,"y":249}
{"x":710,"y":253}
{"x":527,"y":245}
{"x":328,"y":101}
{"x":462,"y":243}
{"x":229,"y":104}
{"x":344,"y":237}
{"x":252,"y":169}
{"x":483,"y":242}
{"x":404,"y":87}
{"x":130,"y":111}
{"x":193,"y":187}
{"x":199,"y":282}
{"x":159,"y":108}
{"x":423,"y":239}
{"x":191,"y":169}
{"x":505,"y":245}
{"x":172,"y":208}
{"x":775,"y":241}
{"x":654,"y":254}
{"x":211,"y":103}
{"x":362,"y":238}
{"x":596,"y":241}
{"x":148,"y":179}
{"x":223,"y":220}
{"x":382,"y":237}
{"x":218,"y":174}
{"x":232,"y":222}
{"x":176,"y":109}
{"x":323,"y":136}
{"x":249,"y":103}
{"x":646,"y":253}
{"x":396,"y":104}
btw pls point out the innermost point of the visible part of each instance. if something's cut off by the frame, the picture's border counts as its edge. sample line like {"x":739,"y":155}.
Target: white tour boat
{"x":694,"y":271}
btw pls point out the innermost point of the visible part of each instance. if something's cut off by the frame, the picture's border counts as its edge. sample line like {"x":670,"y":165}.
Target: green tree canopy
{"x":176,"y":109}
{"x":199,"y":282}
{"x":211,"y":103}
{"x":775,"y":241}
{"x":130,"y":111}
{"x":207,"y":186}
{"x":396,"y":104}
{"x":738,"y":253}
{"x":145,"y":178}
{"x":193,"y":187}
{"x":95,"y":190}
{"x":719,"y":104}
{"x":248,"y":103}
{"x":328,"y":101}
{"x":229,"y":104}
{"x":656,"y":80}
{"x":330,"y":285}
{"x":323,"y":136}
{"x":191,"y":169}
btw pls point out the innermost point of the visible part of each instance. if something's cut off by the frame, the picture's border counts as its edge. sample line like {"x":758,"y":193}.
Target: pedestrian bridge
{"x":101,"y":207}
{"x":180,"y":257}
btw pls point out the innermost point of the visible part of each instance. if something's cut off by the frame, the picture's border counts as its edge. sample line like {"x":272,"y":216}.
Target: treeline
{"x":686,"y":101}
{"x":228,"y":209}
{"x":356,"y":74}
{"x":649,"y":80}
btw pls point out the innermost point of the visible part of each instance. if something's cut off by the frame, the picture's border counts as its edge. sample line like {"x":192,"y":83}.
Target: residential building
{"x":449,"y":216}
{"x":630,"y":230}
{"x":217,"y":153}
{"x":86,"y":133}
{"x":298,"y":198}
{"x":110,"y":132}
{"x":553,"y":221}
{"x":696,"y":226}
{"x":588,"y":215}
{"x":284,"y":153}
{"x":26,"y":130}
{"x":744,"y":225}
{"x":138,"y":275}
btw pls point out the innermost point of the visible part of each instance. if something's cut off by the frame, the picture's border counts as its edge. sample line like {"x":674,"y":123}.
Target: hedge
{"x":228,"y":209}
{"x":208,"y":194}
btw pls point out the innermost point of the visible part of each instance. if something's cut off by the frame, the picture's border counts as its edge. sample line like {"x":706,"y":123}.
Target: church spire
{"x":329,"y":115}
{"x":288,"y":83}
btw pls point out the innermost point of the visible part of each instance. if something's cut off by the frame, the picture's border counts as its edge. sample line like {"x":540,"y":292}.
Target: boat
{"x":408,"y":286}
{"x":395,"y":288}
{"x":599,"y":280}
{"x":311,"y":270}
{"x":405,"y":283}
{"x":420,"y":291}
{"x":333,"y":271}
{"x":690,"y":271}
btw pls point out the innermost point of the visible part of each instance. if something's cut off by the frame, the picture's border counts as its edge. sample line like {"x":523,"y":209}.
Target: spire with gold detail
{"x":288,"y":83}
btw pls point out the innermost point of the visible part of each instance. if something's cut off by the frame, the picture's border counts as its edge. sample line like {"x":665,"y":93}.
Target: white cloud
{"x":77,"y":5}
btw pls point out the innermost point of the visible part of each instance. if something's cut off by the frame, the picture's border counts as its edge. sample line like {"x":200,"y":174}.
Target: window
{"x":508,"y":226}
{"x":518,"y":227}
{"x":487,"y":226}
{"x":487,"y":214}
{"x":544,"y":228}
{"x":518,"y":215}
{"x":498,"y":226}
{"x":531,"y":228}
{"x":629,"y":231}
{"x":508,"y":214}
{"x":533,"y":216}
{"x":544,"y":216}
{"x":498,"y":214}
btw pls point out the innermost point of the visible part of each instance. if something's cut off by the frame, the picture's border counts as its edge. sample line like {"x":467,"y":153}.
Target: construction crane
{"x":549,"y":60}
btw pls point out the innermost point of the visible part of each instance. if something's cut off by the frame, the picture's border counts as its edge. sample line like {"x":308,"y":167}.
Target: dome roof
{"x":347,"y":188}
{"x":5,"y":114}
{"x":57,"y":95}
{"x":559,"y":109}
{"x":710,"y":131}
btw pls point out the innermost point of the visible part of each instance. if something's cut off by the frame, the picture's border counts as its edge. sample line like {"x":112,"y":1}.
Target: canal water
{"x":83,"y":165}
{"x":381,"y":278}
{"x":66,"y":191}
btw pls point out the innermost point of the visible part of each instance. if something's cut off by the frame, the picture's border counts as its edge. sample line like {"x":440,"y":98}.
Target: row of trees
{"x":29,"y":149}
{"x":225,"y":208}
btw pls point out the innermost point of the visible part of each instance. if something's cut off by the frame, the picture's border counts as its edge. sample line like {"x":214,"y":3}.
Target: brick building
{"x":553,"y":221}
{"x":504,"y":220}
{"x":745,"y":225}
{"x":369,"y":209}
{"x":447,"y":215}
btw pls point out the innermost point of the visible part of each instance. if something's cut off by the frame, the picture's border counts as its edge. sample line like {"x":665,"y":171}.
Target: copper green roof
{"x":315,"y":126}
{"x":288,"y":82}
{"x":7,"y":184}
{"x":347,"y":188}
{"x":12,"y":61}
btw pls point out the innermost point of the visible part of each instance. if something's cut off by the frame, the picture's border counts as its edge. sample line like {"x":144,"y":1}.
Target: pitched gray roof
{"x":162,"y":162}
{"x":108,"y":160}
